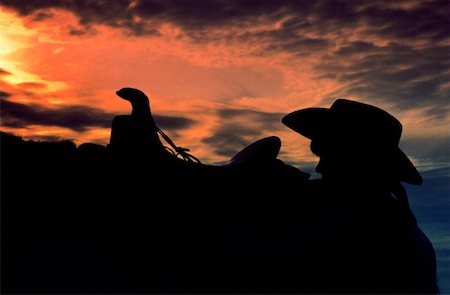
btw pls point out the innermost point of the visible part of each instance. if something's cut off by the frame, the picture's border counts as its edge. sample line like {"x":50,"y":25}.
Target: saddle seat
{"x":261,"y":151}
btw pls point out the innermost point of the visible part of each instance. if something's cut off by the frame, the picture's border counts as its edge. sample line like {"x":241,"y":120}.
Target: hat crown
{"x":356,"y":125}
{"x":365,"y":122}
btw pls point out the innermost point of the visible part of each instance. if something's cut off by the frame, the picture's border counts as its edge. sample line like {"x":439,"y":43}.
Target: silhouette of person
{"x":377,"y":246}
{"x":136,"y":133}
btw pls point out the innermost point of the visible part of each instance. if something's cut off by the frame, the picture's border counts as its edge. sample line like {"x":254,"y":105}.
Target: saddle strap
{"x":178,"y":151}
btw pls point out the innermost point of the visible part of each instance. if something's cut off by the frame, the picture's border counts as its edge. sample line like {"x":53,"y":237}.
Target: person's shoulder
{"x":316,"y":186}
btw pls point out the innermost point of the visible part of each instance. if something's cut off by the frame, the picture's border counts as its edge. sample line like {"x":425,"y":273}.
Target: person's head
{"x":355,"y":141}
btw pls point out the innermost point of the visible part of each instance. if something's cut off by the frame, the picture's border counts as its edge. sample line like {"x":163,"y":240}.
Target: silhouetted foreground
{"x":133,"y":218}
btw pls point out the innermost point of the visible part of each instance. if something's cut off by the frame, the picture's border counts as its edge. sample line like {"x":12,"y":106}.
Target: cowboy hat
{"x":364,"y":124}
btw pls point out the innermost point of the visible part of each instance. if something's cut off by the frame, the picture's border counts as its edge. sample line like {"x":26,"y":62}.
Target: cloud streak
{"x":400,"y":20}
{"x":77,"y":118}
{"x":239,"y":128}
{"x":406,"y":76}
{"x":3,"y":72}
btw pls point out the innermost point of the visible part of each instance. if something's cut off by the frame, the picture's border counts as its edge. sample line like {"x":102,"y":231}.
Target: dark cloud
{"x":173,"y":123}
{"x":299,"y":46}
{"x":437,"y":172}
{"x":29,"y":7}
{"x":3,"y":72}
{"x":88,"y":11}
{"x":45,"y":138}
{"x":229,"y":139}
{"x":429,"y":20}
{"x":110,"y":13}
{"x":433,"y":150}
{"x":41,"y":15}
{"x":76,"y":32}
{"x":422,"y":19}
{"x":261,"y":120}
{"x":239,"y":128}
{"x":406,"y":76}
{"x":355,"y":48}
{"x":81,"y":31}
{"x":77,"y":118}
{"x":198,"y":15}
{"x":4,"y":95}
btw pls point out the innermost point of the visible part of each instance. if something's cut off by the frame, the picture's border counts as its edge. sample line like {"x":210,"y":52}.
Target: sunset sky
{"x":222,"y":74}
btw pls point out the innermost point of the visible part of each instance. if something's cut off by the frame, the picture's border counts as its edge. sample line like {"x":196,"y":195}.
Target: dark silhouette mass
{"x":362,"y":168}
{"x":138,"y":217}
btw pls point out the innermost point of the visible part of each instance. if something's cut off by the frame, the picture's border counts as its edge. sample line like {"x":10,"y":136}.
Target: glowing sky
{"x":222,"y":74}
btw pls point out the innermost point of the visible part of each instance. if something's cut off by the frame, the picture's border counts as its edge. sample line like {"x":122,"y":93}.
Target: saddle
{"x":261,"y":151}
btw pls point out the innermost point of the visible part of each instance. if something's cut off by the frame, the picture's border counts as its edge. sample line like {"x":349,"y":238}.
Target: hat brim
{"x":315,"y":122}
{"x":408,"y":173}
{"x":310,"y":122}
